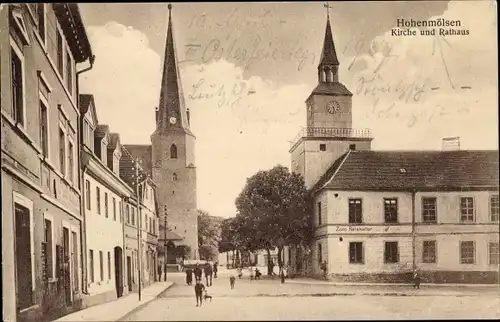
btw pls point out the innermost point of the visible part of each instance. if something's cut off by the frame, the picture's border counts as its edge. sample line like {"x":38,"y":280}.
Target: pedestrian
{"x":324,"y":267}
{"x":251,"y":273}
{"x":197,"y":272}
{"x":159,"y":273}
{"x":271,"y":268}
{"x":416,"y":280}
{"x":198,"y":291}
{"x":208,"y":274}
{"x":232,"y":280}
{"x":240,"y":272}
{"x":257,"y":274}
{"x":189,"y":276}
{"x":282,"y":275}
{"x":215,"y":269}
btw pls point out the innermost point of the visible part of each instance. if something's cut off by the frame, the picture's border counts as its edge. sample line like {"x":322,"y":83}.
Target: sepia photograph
{"x":246,"y":161}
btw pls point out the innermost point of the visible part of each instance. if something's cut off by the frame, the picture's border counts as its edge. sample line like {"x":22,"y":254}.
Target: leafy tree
{"x":182,"y":251}
{"x":275,"y":211}
{"x":209,"y":235}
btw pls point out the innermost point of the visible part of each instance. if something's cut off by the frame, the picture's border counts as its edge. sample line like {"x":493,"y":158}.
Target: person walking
{"x":198,"y":291}
{"x":215,"y":269}
{"x":324,"y":267}
{"x":189,"y":276}
{"x":416,"y":280}
{"x":232,"y":280}
{"x":208,"y":274}
{"x":159,"y":273}
{"x":197,"y":272}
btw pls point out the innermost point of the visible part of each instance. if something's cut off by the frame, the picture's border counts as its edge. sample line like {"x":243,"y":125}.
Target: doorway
{"x":118,"y":272}
{"x":66,"y":267}
{"x":23,"y":257}
{"x":171,"y":253}
{"x":129,"y":273}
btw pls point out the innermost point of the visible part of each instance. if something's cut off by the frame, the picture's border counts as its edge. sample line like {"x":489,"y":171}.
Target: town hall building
{"x":382,"y":215}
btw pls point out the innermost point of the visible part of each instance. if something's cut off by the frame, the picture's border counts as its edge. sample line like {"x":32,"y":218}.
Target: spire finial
{"x":169,"y":12}
{"x":327,"y":6}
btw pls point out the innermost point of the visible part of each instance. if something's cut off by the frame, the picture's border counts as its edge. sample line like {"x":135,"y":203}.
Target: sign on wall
{"x":369,"y":229}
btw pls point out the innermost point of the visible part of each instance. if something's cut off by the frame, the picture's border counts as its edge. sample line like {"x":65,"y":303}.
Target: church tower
{"x":329,"y":133}
{"x":173,"y":154}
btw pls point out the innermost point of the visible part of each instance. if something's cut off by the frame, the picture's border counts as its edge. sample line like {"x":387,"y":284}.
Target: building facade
{"x":104,"y":193}
{"x":383,"y":215}
{"x":40,"y":47}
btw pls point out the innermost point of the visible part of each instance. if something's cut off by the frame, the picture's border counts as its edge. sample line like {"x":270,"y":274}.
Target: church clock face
{"x":173,"y":120}
{"x":333,"y":107}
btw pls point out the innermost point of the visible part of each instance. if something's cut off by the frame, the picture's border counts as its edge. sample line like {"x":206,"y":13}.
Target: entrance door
{"x":66,"y":267}
{"x":74,"y":259}
{"x":171,"y":253}
{"x":23,"y":258}
{"x":129,"y":273}
{"x":118,"y":272}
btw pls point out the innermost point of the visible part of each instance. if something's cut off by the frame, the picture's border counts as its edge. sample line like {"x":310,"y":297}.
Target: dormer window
{"x":104,"y":154}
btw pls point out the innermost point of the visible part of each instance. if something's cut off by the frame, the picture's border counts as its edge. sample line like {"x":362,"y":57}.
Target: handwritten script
{"x":230,"y":46}
{"x":223,"y":95}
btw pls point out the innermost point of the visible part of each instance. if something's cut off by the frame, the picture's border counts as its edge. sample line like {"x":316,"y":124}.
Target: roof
{"x":412,"y":170}
{"x":68,"y":14}
{"x":328,"y":54}
{"x":335,"y":88}
{"x":145,"y":155}
{"x":114,"y":139}
{"x":173,"y":236}
{"x":84,"y":102}
{"x":127,"y":170}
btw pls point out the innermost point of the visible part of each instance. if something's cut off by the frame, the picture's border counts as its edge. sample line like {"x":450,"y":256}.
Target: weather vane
{"x":327,"y":6}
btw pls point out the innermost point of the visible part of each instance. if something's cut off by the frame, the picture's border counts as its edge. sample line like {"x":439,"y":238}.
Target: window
{"x":356,"y":253}
{"x":154,"y":226}
{"x":467,"y":252}
{"x":391,"y":253}
{"x":106,"y":204}
{"x":114,"y":209}
{"x":91,"y":265}
{"x":494,"y":208}
{"x":352,"y":146}
{"x":71,"y":161}
{"x":109,"y":265}
{"x":60,"y":54}
{"x":429,"y":251}
{"x":174,"y":177}
{"x":69,"y":72}
{"x":320,"y":253}
{"x":44,"y":130}
{"x":173,"y":151}
{"x":319,"y":213}
{"x":62,"y":151}
{"x":355,"y":211}
{"x":41,"y":20}
{"x":98,"y":198}
{"x":49,"y":244}
{"x":493,"y":251}
{"x":146,"y":222}
{"x":17,"y":86}
{"x":133,"y":216}
{"x":322,"y":147}
{"x":128,"y":214}
{"x":391,"y":210}
{"x":467,"y":209}
{"x":87,"y":192}
{"x":429,"y":209}
{"x":101,"y":265}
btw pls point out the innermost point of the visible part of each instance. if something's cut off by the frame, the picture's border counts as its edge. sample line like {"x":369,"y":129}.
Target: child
{"x":232,"y":279}
{"x":198,"y":290}
{"x":206,"y":296}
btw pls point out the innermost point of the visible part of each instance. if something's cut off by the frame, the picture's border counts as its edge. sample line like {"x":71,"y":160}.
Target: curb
{"x":396,"y":284}
{"x":142,"y":305}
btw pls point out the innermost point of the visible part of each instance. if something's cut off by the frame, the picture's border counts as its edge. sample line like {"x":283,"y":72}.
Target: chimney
{"x":451,"y":144}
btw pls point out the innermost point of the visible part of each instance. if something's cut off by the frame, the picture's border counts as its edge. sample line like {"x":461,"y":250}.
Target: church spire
{"x":328,"y":63}
{"x":171,"y":112}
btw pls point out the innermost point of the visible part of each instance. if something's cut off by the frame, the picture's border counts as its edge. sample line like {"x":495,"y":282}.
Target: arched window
{"x":174,"y":177}
{"x":173,"y":151}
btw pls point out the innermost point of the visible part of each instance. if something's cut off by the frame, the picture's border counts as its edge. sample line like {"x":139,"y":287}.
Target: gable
{"x":91,"y":115}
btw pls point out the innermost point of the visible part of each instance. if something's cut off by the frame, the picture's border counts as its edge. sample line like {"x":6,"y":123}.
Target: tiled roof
{"x":331,"y":88}
{"x":84,"y":102}
{"x":127,"y":170}
{"x":114,"y":138}
{"x":408,"y":170}
{"x":144,"y":153}
{"x":101,"y":130}
{"x":173,"y":236}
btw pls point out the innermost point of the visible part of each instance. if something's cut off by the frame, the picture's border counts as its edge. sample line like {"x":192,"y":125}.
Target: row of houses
{"x":74,"y":202}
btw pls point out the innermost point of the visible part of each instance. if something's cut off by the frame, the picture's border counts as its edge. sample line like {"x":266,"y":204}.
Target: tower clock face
{"x":333,"y":107}
{"x":173,"y":120}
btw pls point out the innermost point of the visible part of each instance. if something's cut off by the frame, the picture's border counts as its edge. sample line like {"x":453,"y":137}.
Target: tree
{"x":182,"y":251}
{"x":209,"y":234}
{"x":275,"y":211}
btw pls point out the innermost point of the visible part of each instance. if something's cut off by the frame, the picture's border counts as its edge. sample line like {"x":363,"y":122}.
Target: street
{"x":270,"y":300}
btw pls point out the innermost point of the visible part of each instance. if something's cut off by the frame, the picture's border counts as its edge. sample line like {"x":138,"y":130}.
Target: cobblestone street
{"x":268,"y":299}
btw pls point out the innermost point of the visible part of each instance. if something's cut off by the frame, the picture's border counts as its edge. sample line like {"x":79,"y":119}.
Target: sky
{"x":247,"y":68}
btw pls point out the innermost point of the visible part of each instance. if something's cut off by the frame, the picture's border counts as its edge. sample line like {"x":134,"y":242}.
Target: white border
{"x":27,"y":203}
{"x":20,"y":55}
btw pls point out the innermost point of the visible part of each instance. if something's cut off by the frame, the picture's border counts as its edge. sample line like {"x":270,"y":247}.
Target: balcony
{"x":330,"y":132}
